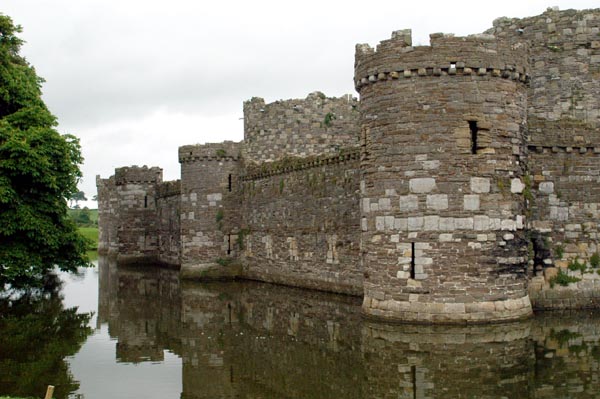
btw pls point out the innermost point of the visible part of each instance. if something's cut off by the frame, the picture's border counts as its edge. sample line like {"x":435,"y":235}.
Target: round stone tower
{"x":445,"y":187}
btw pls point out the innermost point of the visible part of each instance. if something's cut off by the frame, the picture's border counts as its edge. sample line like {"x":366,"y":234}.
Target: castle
{"x":462,"y":187}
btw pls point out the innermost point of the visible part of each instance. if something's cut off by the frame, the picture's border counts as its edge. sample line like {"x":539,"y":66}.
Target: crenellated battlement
{"x":312,"y":126}
{"x":475,"y":55}
{"x":138,"y":175}
{"x":224,"y":151}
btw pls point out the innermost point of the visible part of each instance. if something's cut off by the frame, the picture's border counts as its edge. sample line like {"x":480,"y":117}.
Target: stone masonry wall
{"x":442,"y":206}
{"x":137,"y":233}
{"x":301,"y":223}
{"x":108,"y":216}
{"x":564,"y":145}
{"x":209,"y":203}
{"x":168,"y":204}
{"x":299,"y":128}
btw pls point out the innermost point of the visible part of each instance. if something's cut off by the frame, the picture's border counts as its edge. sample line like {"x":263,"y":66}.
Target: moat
{"x":154,"y":336}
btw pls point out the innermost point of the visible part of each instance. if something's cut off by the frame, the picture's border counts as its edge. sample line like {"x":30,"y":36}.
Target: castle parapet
{"x":316,"y":125}
{"x":475,"y":55}
{"x":224,"y":151}
{"x":138,"y":175}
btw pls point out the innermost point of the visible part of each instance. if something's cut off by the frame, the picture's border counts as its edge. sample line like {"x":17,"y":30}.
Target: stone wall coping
{"x":289,"y":165}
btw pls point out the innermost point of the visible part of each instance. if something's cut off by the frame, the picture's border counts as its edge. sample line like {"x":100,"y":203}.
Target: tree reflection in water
{"x":36,"y":335}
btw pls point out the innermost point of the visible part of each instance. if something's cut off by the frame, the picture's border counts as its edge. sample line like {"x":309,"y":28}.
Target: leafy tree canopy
{"x":39,"y":171}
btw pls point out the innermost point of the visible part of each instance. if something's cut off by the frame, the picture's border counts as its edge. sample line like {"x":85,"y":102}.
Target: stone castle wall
{"x":127,"y":213}
{"x":466,"y":177}
{"x":564,"y":135}
{"x":168,"y":200}
{"x":317,"y":125}
{"x":442,"y":206}
{"x":209,"y":212}
{"x":301,"y":223}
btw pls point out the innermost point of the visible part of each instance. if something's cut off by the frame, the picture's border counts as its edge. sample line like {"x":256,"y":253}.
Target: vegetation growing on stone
{"x":221,"y":153}
{"x":563,"y":279}
{"x":559,"y":251}
{"x":575,"y":265}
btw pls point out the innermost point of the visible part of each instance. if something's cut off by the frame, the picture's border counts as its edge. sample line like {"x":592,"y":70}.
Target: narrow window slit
{"x":474,"y":130}
{"x":412,"y":260}
{"x":229,"y":184}
{"x":145,"y":201}
{"x":229,"y":244}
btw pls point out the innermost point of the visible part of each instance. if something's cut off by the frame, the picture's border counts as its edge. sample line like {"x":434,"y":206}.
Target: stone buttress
{"x":443,"y":130}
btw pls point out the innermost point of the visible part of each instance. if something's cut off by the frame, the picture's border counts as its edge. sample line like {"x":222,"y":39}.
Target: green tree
{"x":39,"y":171}
{"x":78,"y":196}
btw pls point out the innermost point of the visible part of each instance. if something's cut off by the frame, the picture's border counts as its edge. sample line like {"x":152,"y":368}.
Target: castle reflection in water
{"x":256,"y":340}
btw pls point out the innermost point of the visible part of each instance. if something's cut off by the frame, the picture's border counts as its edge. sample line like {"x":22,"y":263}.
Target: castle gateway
{"x":463,"y":187}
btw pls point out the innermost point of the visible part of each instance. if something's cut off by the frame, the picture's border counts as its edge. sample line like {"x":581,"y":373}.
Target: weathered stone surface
{"x":422,"y":185}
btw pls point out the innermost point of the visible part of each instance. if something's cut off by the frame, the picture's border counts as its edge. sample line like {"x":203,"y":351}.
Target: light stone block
{"x":471,"y":202}
{"x":464,"y":223}
{"x":384,"y":204}
{"x":431,"y":223}
{"x":447,"y":224}
{"x":401,"y":224}
{"x":481,"y":222}
{"x":437,"y":202}
{"x":547,"y":187}
{"x":480,"y":185}
{"x":415,"y":223}
{"x":390,"y":192}
{"x":366,"y":203}
{"x":389,"y":222}
{"x":395,"y":238}
{"x":409,"y":203}
{"x":422,"y":245}
{"x":379,"y":223}
{"x":421,"y":185}
{"x":516,"y":186}
{"x":482,"y":237}
{"x":508,"y":224}
{"x":445,"y":237}
{"x":402,"y":275}
{"x":423,"y":261}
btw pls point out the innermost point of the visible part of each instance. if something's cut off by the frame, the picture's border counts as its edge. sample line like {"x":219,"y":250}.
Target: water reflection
{"x":254,"y":340}
{"x":158,"y":337}
{"x":37,"y":333}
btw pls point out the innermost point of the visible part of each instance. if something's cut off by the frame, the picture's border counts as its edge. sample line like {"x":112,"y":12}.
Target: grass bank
{"x":91,"y":233}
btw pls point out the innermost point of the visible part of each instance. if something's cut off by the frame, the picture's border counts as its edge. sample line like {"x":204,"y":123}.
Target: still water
{"x":152,"y":336}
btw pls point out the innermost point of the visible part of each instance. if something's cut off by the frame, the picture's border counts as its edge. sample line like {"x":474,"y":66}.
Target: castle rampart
{"x":462,"y":188}
{"x":317,"y":125}
{"x":300,"y":223}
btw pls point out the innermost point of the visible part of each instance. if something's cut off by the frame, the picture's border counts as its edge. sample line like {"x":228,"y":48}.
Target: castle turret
{"x":443,"y":206}
{"x":209,"y":207}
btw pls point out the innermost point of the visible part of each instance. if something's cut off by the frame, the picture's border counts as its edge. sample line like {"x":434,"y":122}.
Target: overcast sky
{"x":134,"y":79}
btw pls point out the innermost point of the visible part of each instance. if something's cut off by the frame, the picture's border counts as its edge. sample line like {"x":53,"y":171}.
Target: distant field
{"x":90,"y":233}
{"x":84,"y":217}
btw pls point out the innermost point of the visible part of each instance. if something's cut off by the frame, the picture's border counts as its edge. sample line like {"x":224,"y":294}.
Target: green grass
{"x":91,"y":233}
